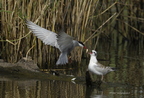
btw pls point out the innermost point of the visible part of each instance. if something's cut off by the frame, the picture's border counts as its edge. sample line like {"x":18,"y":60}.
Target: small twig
{"x":42,"y":12}
{"x":96,"y":42}
{"x":11,"y":42}
{"x":134,"y":28}
{"x":29,"y":51}
{"x":100,"y":27}
{"x":106,"y":9}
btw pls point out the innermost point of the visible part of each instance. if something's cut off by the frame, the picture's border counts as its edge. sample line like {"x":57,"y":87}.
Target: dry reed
{"x":83,"y":19}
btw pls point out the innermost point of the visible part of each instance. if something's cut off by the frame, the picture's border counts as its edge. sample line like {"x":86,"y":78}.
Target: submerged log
{"x":27,"y":69}
{"x":25,"y":63}
{"x":90,"y":83}
{"x":88,"y":79}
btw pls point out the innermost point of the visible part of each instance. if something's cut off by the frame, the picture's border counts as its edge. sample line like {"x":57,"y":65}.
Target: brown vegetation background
{"x":86,"y":20}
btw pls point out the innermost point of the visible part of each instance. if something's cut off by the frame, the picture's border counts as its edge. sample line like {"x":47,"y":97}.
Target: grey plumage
{"x":62,"y":41}
{"x":62,"y":59}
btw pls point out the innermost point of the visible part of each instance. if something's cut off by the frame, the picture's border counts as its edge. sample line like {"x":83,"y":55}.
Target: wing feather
{"x":48,"y":37}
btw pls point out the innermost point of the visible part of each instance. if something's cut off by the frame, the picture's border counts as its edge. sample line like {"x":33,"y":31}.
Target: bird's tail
{"x":62,"y":59}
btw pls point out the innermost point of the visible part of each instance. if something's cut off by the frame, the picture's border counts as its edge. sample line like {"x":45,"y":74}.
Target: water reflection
{"x":127,"y":82}
{"x":61,"y":89}
{"x":40,"y":89}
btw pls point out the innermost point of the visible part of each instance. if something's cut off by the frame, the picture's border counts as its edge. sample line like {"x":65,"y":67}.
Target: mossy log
{"x":27,"y":69}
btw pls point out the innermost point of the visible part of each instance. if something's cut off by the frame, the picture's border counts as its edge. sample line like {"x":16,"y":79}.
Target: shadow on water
{"x":126,"y":82}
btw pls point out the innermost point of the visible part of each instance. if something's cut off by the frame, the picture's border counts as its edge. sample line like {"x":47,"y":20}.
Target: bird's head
{"x":93,"y":53}
{"x":81,"y":44}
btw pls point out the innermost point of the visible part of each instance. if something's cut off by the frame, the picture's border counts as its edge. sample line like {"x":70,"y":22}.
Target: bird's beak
{"x":84,"y":47}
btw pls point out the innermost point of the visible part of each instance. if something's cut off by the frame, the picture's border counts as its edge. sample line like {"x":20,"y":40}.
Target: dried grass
{"x":83,"y":19}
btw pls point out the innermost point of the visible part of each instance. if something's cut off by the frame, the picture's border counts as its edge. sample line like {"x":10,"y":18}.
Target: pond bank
{"x":26,"y":69}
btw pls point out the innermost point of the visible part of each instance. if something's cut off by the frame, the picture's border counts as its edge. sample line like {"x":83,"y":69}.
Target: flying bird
{"x":97,"y":68}
{"x":64,"y":42}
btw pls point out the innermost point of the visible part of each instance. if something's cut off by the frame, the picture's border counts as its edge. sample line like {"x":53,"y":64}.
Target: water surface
{"x":127,"y":82}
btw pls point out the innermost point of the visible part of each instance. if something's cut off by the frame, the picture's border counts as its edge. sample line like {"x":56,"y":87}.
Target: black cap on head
{"x":81,"y":43}
{"x":95,"y":53}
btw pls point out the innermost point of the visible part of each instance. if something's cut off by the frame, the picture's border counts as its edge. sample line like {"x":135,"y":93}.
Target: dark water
{"x":127,"y":82}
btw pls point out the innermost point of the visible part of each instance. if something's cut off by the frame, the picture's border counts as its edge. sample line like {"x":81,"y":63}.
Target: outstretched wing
{"x":48,"y":37}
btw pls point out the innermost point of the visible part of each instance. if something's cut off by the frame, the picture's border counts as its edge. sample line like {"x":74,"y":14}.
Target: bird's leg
{"x":102,"y":79}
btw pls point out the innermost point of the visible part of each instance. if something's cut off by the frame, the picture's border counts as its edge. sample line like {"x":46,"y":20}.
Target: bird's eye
{"x":94,"y":53}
